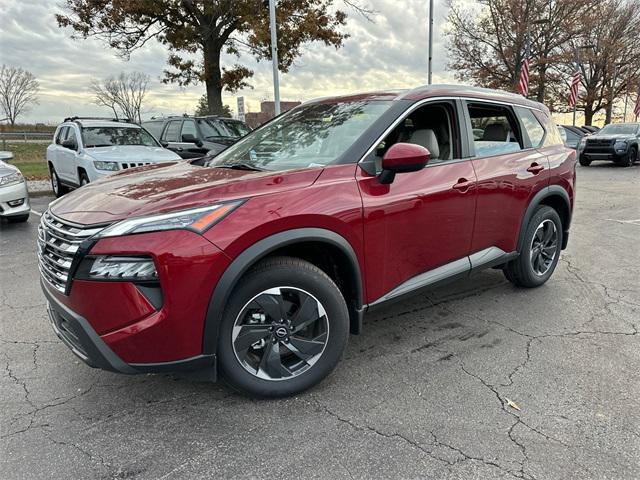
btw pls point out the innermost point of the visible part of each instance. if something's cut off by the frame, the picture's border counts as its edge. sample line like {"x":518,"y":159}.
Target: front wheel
{"x":584,"y":161}
{"x":284,"y":329}
{"x":57,"y":187}
{"x":631,"y":158}
{"x":540,"y":251}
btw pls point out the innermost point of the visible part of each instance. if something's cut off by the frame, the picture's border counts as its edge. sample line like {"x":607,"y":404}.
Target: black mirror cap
{"x":70,"y":144}
{"x":164,"y":144}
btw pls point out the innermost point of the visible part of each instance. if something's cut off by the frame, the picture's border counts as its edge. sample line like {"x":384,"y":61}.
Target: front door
{"x":422,"y":220}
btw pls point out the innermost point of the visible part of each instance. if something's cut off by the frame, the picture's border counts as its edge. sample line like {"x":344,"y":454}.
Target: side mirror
{"x":70,"y":144}
{"x":403,"y":158}
{"x":164,"y":144}
{"x":190,"y":138}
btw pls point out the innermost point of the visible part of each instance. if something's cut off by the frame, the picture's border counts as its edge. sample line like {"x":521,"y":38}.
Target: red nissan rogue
{"x":258,"y":263}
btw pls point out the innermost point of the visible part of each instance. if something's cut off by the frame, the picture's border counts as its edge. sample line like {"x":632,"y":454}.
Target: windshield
{"x":619,"y":129}
{"x":217,"y":128}
{"x":309,"y":136}
{"x":108,"y":136}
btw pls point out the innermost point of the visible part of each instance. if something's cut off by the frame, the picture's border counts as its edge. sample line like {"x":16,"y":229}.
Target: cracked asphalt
{"x":428,"y":391}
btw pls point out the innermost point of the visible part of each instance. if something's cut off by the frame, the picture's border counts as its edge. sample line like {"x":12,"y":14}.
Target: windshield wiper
{"x":99,"y":145}
{"x":241,"y":166}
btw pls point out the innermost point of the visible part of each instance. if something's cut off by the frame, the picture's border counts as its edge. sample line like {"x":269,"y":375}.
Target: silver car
{"x":14,"y":196}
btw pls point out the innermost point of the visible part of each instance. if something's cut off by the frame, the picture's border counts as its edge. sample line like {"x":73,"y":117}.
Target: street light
{"x":430,"y":41}
{"x":274,"y":55}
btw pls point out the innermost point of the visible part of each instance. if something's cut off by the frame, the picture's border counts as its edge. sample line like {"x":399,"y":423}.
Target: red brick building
{"x":267,"y":112}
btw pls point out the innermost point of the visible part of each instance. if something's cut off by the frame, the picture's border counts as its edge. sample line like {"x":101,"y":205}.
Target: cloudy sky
{"x":391,"y":52}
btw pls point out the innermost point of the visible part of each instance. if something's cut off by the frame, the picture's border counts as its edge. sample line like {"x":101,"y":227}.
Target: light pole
{"x":274,"y":55}
{"x":430,"y":41}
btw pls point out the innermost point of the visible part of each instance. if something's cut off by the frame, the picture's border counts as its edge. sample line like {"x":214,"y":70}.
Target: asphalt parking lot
{"x":429,"y":390}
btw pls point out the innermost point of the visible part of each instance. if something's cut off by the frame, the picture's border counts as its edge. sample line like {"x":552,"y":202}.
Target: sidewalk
{"x":38,"y":188}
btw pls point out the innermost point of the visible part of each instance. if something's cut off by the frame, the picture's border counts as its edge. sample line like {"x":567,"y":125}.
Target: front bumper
{"x":77,"y":334}
{"x":12,"y":193}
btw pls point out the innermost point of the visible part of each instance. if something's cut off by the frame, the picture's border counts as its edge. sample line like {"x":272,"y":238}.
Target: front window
{"x":619,"y":129}
{"x":109,"y":136}
{"x":308,"y":136}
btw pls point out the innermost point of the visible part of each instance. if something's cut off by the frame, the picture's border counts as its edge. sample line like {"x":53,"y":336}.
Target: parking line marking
{"x":37,"y":213}
{"x":624,"y":222}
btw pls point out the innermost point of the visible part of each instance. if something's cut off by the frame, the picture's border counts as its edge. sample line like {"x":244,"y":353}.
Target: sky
{"x":390,"y":52}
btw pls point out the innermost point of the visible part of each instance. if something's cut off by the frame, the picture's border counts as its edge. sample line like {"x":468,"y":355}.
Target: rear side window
{"x":495,"y":129}
{"x":172,"y":130}
{"x":553,"y":136}
{"x":532,"y":128}
{"x":62,"y":133}
{"x":188,"y":128}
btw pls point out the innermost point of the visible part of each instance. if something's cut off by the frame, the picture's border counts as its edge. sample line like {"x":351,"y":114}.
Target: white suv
{"x":86,"y":149}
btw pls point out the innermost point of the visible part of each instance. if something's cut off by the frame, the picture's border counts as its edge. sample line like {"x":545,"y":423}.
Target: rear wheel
{"x":540,"y":251}
{"x":57,"y":187}
{"x":284,"y":329}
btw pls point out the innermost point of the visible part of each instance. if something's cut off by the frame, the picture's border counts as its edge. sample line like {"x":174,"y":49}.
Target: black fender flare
{"x":538,"y":198}
{"x":259,"y":250}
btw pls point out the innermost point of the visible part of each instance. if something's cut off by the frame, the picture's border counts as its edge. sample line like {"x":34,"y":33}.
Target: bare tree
{"x":18,"y":91}
{"x":123,"y":94}
{"x":609,"y":66}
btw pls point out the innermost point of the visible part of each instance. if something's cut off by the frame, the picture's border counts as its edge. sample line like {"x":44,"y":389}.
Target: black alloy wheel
{"x":284,"y":329}
{"x":280,"y":333}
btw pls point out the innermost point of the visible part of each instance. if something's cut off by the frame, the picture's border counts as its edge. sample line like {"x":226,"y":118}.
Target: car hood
{"x":616,"y":136}
{"x":131,"y":153}
{"x":165,"y":187}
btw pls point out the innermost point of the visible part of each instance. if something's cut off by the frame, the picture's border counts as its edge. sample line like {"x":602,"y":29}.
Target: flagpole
{"x":274,"y":55}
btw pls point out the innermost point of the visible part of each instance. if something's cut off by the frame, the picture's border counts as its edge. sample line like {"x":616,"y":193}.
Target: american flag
{"x":524,"y":71}
{"x":637,"y":109}
{"x":575,"y":82}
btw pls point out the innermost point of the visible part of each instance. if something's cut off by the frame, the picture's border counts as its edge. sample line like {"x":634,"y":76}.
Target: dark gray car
{"x":617,"y":142}
{"x":193,"y":137}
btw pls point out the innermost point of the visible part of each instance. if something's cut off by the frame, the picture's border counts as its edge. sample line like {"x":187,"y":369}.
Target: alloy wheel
{"x":544,"y":247}
{"x":280,"y":333}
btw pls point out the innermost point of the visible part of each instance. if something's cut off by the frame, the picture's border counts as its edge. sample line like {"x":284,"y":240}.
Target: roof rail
{"x":108,"y":119}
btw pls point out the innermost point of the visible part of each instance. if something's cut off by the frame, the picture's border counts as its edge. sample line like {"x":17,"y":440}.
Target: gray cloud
{"x":389,"y":53}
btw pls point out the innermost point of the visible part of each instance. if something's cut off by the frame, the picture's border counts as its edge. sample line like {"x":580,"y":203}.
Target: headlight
{"x":118,"y":268}
{"x":620,"y":145}
{"x":11,"y":179}
{"x":110,"y":166}
{"x":197,"y":219}
{"x":582,"y":144}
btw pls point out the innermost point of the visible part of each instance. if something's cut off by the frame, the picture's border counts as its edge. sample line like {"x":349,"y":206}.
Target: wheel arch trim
{"x":537,"y":200}
{"x":249,"y":257}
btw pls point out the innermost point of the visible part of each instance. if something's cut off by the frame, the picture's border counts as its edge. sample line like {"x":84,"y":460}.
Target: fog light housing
{"x":125,"y":269}
{"x":16,"y":203}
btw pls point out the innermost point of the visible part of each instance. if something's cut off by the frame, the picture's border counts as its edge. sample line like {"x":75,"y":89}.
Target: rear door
{"x":510,"y":170}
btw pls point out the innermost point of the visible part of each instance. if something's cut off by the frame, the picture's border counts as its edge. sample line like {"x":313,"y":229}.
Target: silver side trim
{"x":483,"y":259}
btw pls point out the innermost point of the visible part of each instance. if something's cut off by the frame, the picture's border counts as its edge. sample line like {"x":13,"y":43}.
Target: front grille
{"x":134,"y":164}
{"x":58,"y":243}
{"x":596,"y":145}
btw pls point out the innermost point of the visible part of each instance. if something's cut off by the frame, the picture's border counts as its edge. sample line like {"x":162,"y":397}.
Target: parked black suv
{"x":616,"y":142}
{"x":193,"y":137}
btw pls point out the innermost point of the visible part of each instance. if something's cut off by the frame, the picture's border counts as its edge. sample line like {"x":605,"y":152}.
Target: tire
{"x":18,"y":218}
{"x":57,"y":187}
{"x":536,"y":263}
{"x":255,"y":365}
{"x":585,"y":162}
{"x":84,"y":179}
{"x":631,"y":158}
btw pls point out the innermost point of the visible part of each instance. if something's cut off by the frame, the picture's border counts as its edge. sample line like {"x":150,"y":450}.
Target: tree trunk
{"x":213,"y":76}
{"x":609,"y":113}
{"x":588,"y":115}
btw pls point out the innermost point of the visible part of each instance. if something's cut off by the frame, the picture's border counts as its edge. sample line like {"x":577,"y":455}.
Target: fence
{"x":26,"y":137}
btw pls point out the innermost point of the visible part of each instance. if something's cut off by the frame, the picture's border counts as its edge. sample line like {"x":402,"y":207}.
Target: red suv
{"x":258,"y":263}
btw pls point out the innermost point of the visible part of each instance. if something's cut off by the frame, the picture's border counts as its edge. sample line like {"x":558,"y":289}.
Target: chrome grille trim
{"x":126,"y":165}
{"x":58,"y":243}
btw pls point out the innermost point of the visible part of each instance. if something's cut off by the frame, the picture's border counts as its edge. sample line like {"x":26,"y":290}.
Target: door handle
{"x":535,"y":168}
{"x":463,"y":185}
